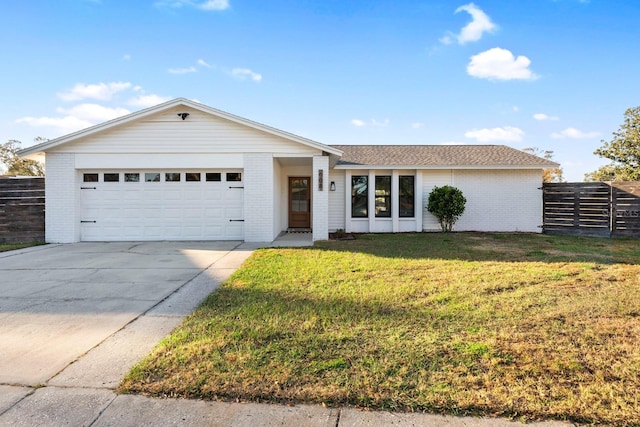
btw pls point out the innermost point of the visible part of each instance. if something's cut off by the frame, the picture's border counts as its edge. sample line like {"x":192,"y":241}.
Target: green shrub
{"x":447,"y":204}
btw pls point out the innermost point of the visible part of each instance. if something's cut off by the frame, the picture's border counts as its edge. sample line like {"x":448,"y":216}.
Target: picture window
{"x":383,"y":196}
{"x":406,"y":197}
{"x":359,"y":196}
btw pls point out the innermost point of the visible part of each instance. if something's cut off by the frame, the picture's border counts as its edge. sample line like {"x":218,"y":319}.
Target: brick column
{"x":258,"y":197}
{"x":62,"y":198}
{"x":320,"y":198}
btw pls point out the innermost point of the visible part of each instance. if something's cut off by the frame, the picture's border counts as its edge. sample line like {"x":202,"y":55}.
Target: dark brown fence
{"x":607,"y":209}
{"x":21,"y":210}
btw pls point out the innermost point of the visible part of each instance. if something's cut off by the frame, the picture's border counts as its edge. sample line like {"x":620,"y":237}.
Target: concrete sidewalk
{"x":81,"y":393}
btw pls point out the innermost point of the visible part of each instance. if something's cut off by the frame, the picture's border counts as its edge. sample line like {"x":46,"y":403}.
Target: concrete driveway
{"x":59,"y":302}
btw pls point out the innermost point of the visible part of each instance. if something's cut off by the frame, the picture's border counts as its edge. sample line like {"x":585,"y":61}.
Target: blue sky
{"x":553,"y":74}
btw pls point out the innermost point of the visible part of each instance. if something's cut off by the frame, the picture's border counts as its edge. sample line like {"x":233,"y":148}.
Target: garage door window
{"x":90,"y":177}
{"x":152,"y":177}
{"x":111,"y":177}
{"x":192,"y":176}
{"x":131,"y":177}
{"x":214,"y":176}
{"x":172,"y":177}
{"x":234,"y":176}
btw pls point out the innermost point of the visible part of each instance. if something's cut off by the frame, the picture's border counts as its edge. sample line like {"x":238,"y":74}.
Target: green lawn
{"x":4,"y":247}
{"x":525,"y":326}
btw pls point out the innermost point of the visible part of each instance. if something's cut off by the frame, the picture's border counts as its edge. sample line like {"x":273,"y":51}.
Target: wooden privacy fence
{"x":21,"y":209}
{"x":607,"y":209}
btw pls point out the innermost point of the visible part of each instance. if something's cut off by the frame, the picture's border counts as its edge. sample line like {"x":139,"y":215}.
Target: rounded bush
{"x":447,"y":204}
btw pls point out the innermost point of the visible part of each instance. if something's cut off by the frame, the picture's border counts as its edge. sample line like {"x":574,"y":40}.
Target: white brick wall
{"x":431,"y":179}
{"x":62,"y":224}
{"x":500,"y":200}
{"x":337,"y":201}
{"x":259,"y":209}
{"x":320,"y":199}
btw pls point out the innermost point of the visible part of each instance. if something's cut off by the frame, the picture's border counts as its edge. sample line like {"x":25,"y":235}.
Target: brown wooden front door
{"x":299,"y":202}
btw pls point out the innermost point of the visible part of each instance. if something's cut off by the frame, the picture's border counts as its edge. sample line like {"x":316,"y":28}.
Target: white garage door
{"x":161,"y":205}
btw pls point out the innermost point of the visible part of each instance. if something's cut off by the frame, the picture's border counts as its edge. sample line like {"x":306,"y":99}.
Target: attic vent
{"x":183,"y":115}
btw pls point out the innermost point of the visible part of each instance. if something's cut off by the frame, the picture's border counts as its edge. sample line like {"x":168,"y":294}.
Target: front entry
{"x":299,"y":202}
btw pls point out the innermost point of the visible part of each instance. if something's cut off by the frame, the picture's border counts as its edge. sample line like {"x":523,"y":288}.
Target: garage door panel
{"x":181,"y":210}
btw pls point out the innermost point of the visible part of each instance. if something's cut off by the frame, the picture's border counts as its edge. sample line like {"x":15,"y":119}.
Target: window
{"x":192,"y":176}
{"x":359,"y":196}
{"x":152,"y":177}
{"x":90,"y":177}
{"x":383,"y":196}
{"x":111,"y":177}
{"x":131,"y":177}
{"x":213,"y":176}
{"x":406,"y":196}
{"x":234,"y":176}
{"x":172,"y":177}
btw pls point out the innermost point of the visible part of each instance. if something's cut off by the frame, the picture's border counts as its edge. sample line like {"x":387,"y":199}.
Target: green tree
{"x":551,"y":174}
{"x":14,"y":165}
{"x":447,"y":204}
{"x":623,"y":150}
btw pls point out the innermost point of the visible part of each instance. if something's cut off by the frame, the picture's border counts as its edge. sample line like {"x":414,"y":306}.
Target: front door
{"x":299,"y":202}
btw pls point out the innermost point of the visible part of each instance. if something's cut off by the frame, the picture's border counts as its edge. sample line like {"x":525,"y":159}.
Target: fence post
{"x":613,"y":209}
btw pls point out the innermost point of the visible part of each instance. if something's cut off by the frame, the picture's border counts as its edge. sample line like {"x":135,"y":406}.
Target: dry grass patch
{"x":5,"y":247}
{"x":526,"y":326}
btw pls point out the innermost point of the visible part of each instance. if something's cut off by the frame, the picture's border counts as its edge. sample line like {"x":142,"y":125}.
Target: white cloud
{"x":202,"y":5}
{"x":416,"y":125}
{"x":372,"y":122}
{"x":100,"y":91}
{"x":543,"y":117}
{"x":573,"y":133}
{"x":83,"y":115}
{"x":507,"y":134}
{"x":480,"y":24}
{"x":515,"y":108}
{"x":244,"y":73}
{"x":145,"y":101}
{"x":126,"y":57}
{"x":202,"y":63}
{"x":75,"y":118}
{"x":500,"y":64}
{"x":383,"y":123}
{"x":474,"y":30}
{"x":213,"y":5}
{"x":453,"y":143}
{"x":93,"y":113}
{"x":182,"y":70}
{"x":61,"y":125}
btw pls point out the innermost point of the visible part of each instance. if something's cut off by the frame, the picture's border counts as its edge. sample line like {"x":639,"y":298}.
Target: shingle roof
{"x":438,"y":156}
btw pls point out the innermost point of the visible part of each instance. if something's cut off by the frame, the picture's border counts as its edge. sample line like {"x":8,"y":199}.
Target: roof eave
{"x":441,"y":167}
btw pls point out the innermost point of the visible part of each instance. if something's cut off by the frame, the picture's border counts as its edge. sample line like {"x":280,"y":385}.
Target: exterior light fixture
{"x":183,"y":115}
{"x":332,"y":186}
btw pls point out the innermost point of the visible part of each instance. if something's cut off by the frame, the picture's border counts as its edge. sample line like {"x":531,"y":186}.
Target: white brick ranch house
{"x":185,"y":171}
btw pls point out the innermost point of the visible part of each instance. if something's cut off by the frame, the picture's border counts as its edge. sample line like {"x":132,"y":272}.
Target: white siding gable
{"x":200,"y":132}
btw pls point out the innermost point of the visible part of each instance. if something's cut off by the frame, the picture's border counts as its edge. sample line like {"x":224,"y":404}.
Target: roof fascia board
{"x":443,"y":167}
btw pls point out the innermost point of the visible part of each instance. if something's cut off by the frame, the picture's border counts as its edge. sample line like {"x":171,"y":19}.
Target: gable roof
{"x":43,"y":147}
{"x":438,"y":157}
